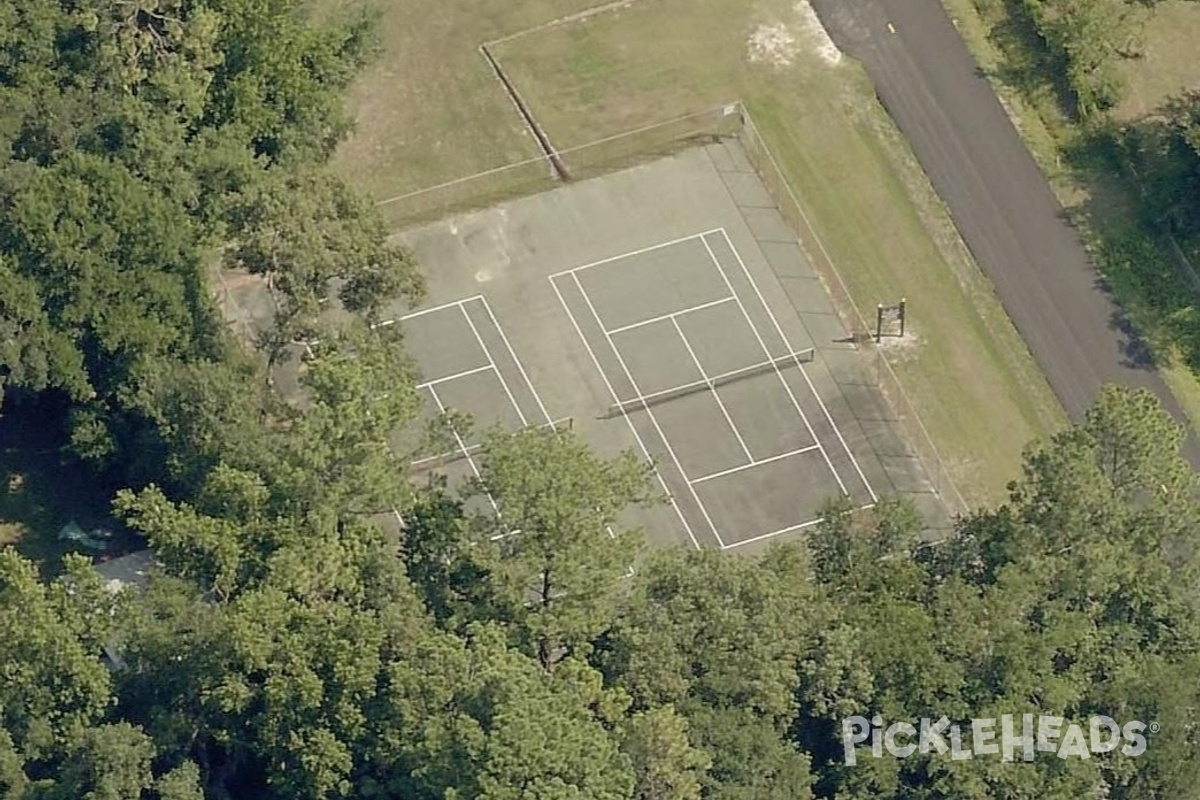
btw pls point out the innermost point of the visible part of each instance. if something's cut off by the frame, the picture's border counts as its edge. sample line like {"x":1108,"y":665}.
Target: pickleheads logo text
{"x":1009,"y":738}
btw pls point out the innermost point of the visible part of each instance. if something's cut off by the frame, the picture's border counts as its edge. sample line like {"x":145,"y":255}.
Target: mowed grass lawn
{"x":431,"y":111}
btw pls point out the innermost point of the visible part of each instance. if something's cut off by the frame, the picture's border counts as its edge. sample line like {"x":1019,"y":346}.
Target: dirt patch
{"x":779,"y":43}
{"x":900,"y":349}
{"x":813,"y":34}
{"x":773,"y":44}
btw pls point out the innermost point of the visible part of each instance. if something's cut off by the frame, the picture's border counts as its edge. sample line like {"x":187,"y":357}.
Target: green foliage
{"x":138,"y":136}
{"x":289,"y":648}
{"x":1087,"y":38}
{"x":54,"y":682}
{"x":667,"y":766}
{"x":557,"y":554}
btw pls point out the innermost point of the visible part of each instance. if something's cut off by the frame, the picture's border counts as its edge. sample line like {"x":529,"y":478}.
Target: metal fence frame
{"x":888,"y":382}
{"x":611,"y":153}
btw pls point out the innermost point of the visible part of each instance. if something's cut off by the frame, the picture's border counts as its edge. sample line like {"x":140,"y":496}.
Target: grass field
{"x":429,"y":109}
{"x":978,"y":390}
{"x":1101,"y":202}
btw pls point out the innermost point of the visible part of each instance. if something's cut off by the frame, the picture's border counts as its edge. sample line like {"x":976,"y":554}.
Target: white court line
{"x":528,"y":383}
{"x":442,"y":307}
{"x":671,"y":316}
{"x":752,"y":464}
{"x":456,"y":376}
{"x":653,"y":420}
{"x":766,"y":351}
{"x":503,"y":383}
{"x":720,"y":404}
{"x":517,"y":361}
{"x":788,"y":529}
{"x":465,"y":451}
{"x":633,"y":253}
{"x":632,"y":429}
{"x":779,"y":329}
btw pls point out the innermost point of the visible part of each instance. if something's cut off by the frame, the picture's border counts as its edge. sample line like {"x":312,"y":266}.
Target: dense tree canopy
{"x":138,"y":139}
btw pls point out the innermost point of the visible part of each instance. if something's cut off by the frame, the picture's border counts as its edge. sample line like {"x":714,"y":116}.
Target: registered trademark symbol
{"x":1154,"y":727}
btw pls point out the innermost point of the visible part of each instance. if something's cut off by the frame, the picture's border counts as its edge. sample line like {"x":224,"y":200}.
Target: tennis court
{"x":712,"y":389}
{"x":469,"y":368}
{"x":665,"y":310}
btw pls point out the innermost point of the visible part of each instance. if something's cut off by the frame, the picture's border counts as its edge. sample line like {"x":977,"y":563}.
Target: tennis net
{"x":676,"y":392}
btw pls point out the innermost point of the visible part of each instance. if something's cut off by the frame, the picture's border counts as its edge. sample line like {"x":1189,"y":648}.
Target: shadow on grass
{"x":1128,"y":227}
{"x":1027,"y":65}
{"x":1137,"y":189}
{"x":42,"y":488}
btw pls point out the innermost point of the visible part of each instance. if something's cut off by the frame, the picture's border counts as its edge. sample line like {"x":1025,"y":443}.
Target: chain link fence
{"x":609,"y":154}
{"x":880,"y":369}
{"x":624,"y":150}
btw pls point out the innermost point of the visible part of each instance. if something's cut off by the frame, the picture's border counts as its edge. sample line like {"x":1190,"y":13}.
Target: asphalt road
{"x":999,"y":199}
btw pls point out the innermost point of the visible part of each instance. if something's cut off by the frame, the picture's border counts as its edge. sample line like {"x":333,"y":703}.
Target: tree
{"x":53,"y":636}
{"x":667,"y":766}
{"x":139,"y":136}
{"x":722,"y":632}
{"x":442,"y":561}
{"x":360,"y":390}
{"x":557,"y":553}
{"x":107,"y":762}
{"x":305,"y":230}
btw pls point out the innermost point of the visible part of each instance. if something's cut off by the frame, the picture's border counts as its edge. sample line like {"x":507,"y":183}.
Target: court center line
{"x":753,"y":464}
{"x":637,"y":252}
{"x":720,"y":404}
{"x":492,"y":361}
{"x":671,"y":316}
{"x":632,"y":428}
{"x":683,"y":387}
{"x":462,"y":446}
{"x":513,"y":354}
{"x":465,"y":373}
{"x":779,"y":329}
{"x":653,"y":419}
{"x":767,"y":352}
{"x":788,"y":529}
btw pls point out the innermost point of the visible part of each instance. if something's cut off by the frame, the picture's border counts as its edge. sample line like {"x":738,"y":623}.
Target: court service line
{"x":513,"y":354}
{"x":492,"y":361}
{"x":752,"y":464}
{"x":779,"y":329}
{"x":671,"y":316}
{"x":653,"y":419}
{"x":456,"y":376}
{"x":720,"y":403}
{"x":632,"y":253}
{"x":462,"y":446}
{"x":442,"y":307}
{"x":788,"y":529}
{"x":632,"y":428}
{"x":778,"y":372}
